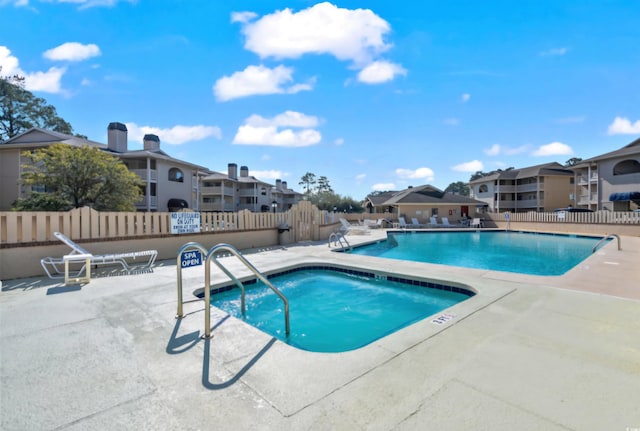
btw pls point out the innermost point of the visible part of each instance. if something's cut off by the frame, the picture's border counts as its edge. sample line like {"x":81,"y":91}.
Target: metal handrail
{"x":207,"y":285}
{"x":611,"y":235}
{"x":337,"y":237}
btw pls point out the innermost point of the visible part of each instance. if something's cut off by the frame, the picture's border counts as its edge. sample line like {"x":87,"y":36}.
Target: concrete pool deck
{"x":526,"y":353}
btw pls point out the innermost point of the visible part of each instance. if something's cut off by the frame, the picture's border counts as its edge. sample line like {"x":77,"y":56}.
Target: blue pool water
{"x":332,"y":311}
{"x":521,"y":252}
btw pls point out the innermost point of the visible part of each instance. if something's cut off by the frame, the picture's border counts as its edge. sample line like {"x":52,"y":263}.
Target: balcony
{"x":142,"y":173}
{"x":529,"y":187}
{"x":216,"y":190}
{"x":586,"y":199}
{"x":504,"y":188}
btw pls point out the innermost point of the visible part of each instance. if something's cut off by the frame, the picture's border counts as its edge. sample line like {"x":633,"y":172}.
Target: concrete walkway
{"x":526,"y":353}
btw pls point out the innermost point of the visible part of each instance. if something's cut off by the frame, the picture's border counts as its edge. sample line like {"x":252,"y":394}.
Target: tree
{"x":572,"y":162}
{"x":308,"y":180}
{"x":73,"y":177}
{"x":323,"y":185}
{"x":20,"y":110}
{"x":458,"y":188}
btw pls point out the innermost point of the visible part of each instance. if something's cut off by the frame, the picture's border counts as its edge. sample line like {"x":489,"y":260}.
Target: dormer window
{"x":176,"y":174}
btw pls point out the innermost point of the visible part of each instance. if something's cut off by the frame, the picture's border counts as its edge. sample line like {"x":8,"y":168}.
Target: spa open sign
{"x":185,"y":222}
{"x":191,"y":258}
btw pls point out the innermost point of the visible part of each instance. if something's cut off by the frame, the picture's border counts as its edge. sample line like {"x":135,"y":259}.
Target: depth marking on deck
{"x":443,"y":318}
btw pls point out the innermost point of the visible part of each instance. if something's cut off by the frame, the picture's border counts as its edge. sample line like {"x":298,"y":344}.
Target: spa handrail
{"x":337,"y":237}
{"x":610,"y":236}
{"x":207,"y":285}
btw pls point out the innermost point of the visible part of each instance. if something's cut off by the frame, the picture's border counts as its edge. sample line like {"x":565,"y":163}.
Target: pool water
{"x":332,"y":311}
{"x":521,"y":252}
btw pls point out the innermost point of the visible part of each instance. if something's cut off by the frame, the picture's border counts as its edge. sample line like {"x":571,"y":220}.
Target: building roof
{"x":631,"y":149}
{"x":428,"y":195}
{"x":38,"y":138}
{"x":546,"y":169}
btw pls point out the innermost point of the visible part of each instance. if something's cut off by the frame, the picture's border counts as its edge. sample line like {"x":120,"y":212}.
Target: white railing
{"x":597,"y":217}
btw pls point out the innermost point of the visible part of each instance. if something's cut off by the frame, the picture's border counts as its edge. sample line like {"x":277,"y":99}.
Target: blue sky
{"x":374,"y":95}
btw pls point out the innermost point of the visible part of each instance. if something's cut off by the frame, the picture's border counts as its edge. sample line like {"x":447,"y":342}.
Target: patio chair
{"x":416,"y":223}
{"x":59,"y":267}
{"x":348,"y":228}
{"x":433,"y":222}
{"x":476,"y":222}
{"x":445,"y":223}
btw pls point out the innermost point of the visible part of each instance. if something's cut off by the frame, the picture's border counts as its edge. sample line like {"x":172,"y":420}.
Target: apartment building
{"x":233,"y":192}
{"x":169,"y":184}
{"x":610,"y":181}
{"x":536,"y":188}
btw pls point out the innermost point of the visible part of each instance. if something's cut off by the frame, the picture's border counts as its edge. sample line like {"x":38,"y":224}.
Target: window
{"x":483,"y":188}
{"x":176,"y":174}
{"x":627,"y":167}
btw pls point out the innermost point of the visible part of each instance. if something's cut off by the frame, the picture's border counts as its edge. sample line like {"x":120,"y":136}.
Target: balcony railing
{"x":142,"y":173}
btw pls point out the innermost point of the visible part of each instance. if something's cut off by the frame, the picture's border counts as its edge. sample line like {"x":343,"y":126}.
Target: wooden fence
{"x":24,"y":227}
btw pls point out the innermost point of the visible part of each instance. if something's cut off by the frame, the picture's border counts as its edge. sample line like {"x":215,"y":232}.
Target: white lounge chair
{"x":416,"y":223}
{"x":348,"y":228}
{"x":402,"y":223}
{"x":445,"y":223}
{"x":433,"y":222}
{"x":59,"y":267}
{"x":476,"y":222}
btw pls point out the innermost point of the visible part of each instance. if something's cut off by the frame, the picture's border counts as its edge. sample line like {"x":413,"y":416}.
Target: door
{"x":464,"y":211}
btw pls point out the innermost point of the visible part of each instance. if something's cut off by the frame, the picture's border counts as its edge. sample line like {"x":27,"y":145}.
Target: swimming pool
{"x":510,"y":251}
{"x":333,"y":309}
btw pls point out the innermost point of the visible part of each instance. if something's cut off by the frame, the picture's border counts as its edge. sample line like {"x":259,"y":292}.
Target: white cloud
{"x":258,"y":130}
{"x":554,"y":51}
{"x":451,"y":121}
{"x":243,"y":17}
{"x":465,"y":97}
{"x":268,"y":175}
{"x":257,"y":80}
{"x":379,"y":72}
{"x":177,"y":135}
{"x":472,"y":166}
{"x":623,"y":126}
{"x":48,"y":82}
{"x":360,"y":177}
{"x":353,"y":35}
{"x":420,"y":173}
{"x":382,"y":187}
{"x":338,"y":142}
{"x":497,"y":149}
{"x":493,"y":151}
{"x":553,"y":149}
{"x":72,"y":51}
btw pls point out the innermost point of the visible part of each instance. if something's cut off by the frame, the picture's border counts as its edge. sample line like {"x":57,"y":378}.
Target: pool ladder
{"x":211,"y":256}
{"x":337,"y":237}
{"x":610,"y":236}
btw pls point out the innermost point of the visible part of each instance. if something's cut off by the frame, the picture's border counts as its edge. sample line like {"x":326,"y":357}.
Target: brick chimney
{"x":151,"y":142}
{"x":117,"y":137}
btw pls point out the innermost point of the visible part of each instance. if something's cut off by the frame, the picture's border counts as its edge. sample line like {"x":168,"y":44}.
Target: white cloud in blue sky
{"x":72,"y":51}
{"x":258,"y":80}
{"x":289,"y":129}
{"x":423,"y":173}
{"x":624,"y":126}
{"x":176,"y":135}
{"x":472,"y":166}
{"x":553,"y":149}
